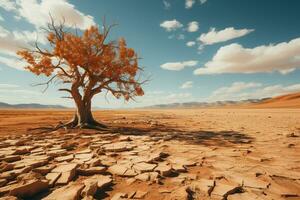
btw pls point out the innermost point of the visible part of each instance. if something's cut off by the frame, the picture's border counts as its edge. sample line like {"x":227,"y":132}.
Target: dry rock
{"x":91,"y":171}
{"x":52,"y":177}
{"x":71,"y":191}
{"x":144,"y":167}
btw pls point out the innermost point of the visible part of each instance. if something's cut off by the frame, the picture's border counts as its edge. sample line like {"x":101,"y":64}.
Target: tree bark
{"x":83,"y":117}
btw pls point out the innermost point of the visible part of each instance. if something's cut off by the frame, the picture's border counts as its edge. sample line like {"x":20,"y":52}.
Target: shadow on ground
{"x":201,"y":137}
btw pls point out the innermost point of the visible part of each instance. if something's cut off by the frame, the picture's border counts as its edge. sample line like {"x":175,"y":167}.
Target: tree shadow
{"x":201,"y":137}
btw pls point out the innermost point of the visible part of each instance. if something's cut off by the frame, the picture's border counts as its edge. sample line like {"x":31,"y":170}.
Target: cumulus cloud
{"x":243,"y":91}
{"x":234,"y":58}
{"x":189,"y":3}
{"x":190,"y":43}
{"x":186,"y":85}
{"x":37,"y":12}
{"x":193,"y":26}
{"x":12,"y":41}
{"x":171,"y":25}
{"x":226,"y":34}
{"x":177,"y":66}
{"x":8,"y":5}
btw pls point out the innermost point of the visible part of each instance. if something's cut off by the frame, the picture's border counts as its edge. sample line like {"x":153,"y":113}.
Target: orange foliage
{"x":107,"y":65}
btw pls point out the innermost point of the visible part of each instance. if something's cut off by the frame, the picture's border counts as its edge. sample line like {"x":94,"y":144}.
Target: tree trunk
{"x":83,"y":117}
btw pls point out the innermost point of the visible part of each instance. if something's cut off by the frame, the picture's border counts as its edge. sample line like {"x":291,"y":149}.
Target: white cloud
{"x":243,"y":91}
{"x":37,"y":12}
{"x":30,"y":36}
{"x":167,"y":5}
{"x":190,"y":43}
{"x":171,"y":25}
{"x":282,"y":57}
{"x":226,"y":34}
{"x":3,"y":32}
{"x":13,"y":62}
{"x":1,"y":18}
{"x":8,"y":5}
{"x":227,"y":92}
{"x":11,"y":42}
{"x":189,"y":3}
{"x":193,"y":26}
{"x":186,"y":85}
{"x":177,"y":66}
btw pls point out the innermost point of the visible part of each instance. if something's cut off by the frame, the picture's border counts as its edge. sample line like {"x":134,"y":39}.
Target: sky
{"x":192,"y":50}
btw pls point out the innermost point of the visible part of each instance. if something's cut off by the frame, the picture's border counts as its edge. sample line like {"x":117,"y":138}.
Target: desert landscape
{"x":152,"y":100}
{"x":216,"y":153}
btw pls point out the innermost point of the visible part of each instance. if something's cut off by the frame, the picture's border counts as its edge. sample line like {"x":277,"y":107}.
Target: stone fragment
{"x":182,"y":161}
{"x":143,"y":177}
{"x":91,"y":171}
{"x":3,"y":182}
{"x":144,"y":167}
{"x":68,"y":172}
{"x":44,"y":169}
{"x":107,"y":161}
{"x":84,"y":156}
{"x":94,"y":162}
{"x":243,"y":196}
{"x":29,"y":185}
{"x":8,"y":198}
{"x":119,"y":147}
{"x":90,"y":188}
{"x":57,"y":152}
{"x":140,"y":194}
{"x":4,"y":166}
{"x":11,"y":158}
{"x":9,"y":175}
{"x":71,"y":191}
{"x":52,"y":178}
{"x":223,"y":190}
{"x":119,"y":196}
{"x":64,"y":158}
{"x":118,"y":169}
{"x":103,"y":181}
{"x":84,"y":151}
{"x":178,"y":168}
{"x":164,"y":169}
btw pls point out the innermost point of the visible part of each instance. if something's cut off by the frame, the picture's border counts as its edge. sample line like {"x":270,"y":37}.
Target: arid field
{"x":232,"y":154}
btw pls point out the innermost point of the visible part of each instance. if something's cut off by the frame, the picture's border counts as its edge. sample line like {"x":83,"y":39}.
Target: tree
{"x":86,"y":64}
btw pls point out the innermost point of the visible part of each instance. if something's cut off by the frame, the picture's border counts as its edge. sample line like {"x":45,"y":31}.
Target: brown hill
{"x":283,"y":101}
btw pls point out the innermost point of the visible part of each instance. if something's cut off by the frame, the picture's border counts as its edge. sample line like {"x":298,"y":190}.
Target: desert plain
{"x":220,"y":153}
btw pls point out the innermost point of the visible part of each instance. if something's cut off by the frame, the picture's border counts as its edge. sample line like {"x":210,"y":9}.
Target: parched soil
{"x":232,"y":154}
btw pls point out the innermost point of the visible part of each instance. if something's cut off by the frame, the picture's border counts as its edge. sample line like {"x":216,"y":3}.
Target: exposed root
{"x":73,"y":124}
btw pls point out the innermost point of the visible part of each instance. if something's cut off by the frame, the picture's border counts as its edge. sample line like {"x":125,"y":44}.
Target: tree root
{"x":72,"y":125}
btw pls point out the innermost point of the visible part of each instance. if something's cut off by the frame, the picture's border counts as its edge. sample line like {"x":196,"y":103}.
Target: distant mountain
{"x":283,"y":101}
{"x":30,"y":105}
{"x":208,"y":104}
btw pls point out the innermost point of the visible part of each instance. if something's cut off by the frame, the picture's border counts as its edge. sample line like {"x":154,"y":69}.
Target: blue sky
{"x":194,"y":50}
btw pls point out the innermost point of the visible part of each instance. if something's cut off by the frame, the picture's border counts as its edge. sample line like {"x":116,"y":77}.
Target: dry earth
{"x":232,"y":154}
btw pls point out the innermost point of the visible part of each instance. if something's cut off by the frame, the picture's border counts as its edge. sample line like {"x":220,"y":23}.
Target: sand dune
{"x":283,"y":101}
